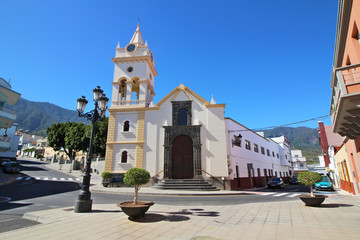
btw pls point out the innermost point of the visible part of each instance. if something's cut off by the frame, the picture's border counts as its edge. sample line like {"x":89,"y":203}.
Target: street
{"x":39,"y":188}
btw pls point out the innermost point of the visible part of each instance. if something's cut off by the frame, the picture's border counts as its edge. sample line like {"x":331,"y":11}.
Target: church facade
{"x":183,"y":136}
{"x":180,"y":137}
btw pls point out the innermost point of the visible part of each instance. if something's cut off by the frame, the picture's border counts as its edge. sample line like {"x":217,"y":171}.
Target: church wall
{"x":120,"y":135}
{"x":123,"y":167}
{"x":154,"y":138}
{"x":141,"y":69}
{"x":216,"y":159}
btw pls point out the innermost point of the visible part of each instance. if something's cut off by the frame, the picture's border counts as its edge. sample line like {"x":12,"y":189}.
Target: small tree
{"x":136,"y":177}
{"x":106,"y":175}
{"x":309,"y":179}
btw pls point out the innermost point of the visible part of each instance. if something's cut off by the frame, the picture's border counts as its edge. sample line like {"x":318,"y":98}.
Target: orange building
{"x":345,"y":85}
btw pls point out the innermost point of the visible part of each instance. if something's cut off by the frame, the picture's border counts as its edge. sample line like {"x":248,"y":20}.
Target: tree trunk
{"x":312,"y":191}
{"x":137,"y":187}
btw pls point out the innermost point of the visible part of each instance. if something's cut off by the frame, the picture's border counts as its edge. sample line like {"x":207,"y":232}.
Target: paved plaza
{"x":337,"y":218}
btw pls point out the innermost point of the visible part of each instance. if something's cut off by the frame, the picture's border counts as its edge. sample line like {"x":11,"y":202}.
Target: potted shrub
{"x":136,"y":177}
{"x":106,"y":178}
{"x":309,"y":179}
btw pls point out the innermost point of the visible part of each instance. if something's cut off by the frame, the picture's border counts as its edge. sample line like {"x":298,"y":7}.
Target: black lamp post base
{"x":83,"y":206}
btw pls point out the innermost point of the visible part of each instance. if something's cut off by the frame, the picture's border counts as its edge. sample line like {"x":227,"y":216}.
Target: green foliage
{"x":68,"y":136}
{"x":100,"y":137}
{"x":136,"y":176}
{"x":76,"y":137}
{"x":309,"y":178}
{"x":106,"y":175}
{"x":30,"y":150}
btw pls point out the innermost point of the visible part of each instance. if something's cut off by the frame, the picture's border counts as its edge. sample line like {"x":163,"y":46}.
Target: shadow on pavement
{"x":9,"y":205}
{"x":31,"y":168}
{"x":105,"y":211}
{"x":30,"y":162}
{"x":153,"y":217}
{"x":196,"y":212}
{"x":334,"y":205}
{"x":19,"y":191}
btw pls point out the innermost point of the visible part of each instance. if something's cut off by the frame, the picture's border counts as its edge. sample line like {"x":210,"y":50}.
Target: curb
{"x":35,"y":218}
{"x":174,"y":194}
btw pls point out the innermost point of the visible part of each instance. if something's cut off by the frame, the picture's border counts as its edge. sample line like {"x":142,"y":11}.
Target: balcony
{"x":345,"y":102}
{"x":4,"y":144}
{"x":130,"y":103}
{"x":7,"y":117}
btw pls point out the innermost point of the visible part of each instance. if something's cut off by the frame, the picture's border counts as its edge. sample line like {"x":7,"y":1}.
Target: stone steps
{"x":185,"y":184}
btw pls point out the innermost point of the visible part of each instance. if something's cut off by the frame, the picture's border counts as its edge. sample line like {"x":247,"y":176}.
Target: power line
{"x":283,"y":125}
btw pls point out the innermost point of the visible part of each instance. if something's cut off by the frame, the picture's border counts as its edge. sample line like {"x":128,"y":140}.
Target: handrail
{"x":165,"y":170}
{"x":210,"y":175}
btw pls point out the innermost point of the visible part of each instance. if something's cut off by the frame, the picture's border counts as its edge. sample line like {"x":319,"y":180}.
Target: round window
{"x":130,"y":69}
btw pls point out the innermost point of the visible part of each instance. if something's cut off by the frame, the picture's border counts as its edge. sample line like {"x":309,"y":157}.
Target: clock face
{"x":130,"y":48}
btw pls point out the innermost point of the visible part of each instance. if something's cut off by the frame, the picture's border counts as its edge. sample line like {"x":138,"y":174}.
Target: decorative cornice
{"x":122,"y":143}
{"x":215,"y":105}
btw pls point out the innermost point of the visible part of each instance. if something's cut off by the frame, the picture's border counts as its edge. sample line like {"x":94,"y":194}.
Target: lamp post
{"x":84,"y":201}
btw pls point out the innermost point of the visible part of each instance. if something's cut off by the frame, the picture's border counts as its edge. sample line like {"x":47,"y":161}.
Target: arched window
{"x":126,"y":126}
{"x":122,"y":90}
{"x":182,"y":117}
{"x":124,"y":157}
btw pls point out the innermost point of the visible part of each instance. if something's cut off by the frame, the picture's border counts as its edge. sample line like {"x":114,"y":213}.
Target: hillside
{"x":36,"y":117}
{"x":303,"y":138}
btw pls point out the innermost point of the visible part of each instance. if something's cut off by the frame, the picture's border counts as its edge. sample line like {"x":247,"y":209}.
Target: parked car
{"x":325,"y":184}
{"x":293,"y":180}
{"x":4,"y":162}
{"x":12,"y":167}
{"x":276,"y":182}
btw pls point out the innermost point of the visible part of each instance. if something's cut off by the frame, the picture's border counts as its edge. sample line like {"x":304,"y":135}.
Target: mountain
{"x":36,"y":117}
{"x":303,"y":138}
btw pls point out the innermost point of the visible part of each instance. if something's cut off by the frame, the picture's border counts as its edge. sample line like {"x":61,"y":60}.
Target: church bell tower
{"x":132,"y":96}
{"x":134,"y":73}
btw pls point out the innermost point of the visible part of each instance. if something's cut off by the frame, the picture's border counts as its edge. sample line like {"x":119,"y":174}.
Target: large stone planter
{"x":312,"y":201}
{"x":135,"y":211}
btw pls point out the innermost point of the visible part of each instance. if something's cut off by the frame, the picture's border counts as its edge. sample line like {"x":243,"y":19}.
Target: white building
{"x":8,"y":139}
{"x":253,"y":159}
{"x":298,"y":161}
{"x":183,"y":136}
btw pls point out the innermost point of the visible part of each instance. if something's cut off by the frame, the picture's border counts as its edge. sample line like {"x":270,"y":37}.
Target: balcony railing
{"x":130,"y":103}
{"x":8,"y":110}
{"x":345,"y":104}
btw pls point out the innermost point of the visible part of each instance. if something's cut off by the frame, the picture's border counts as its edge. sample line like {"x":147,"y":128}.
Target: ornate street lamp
{"x":84,"y":201}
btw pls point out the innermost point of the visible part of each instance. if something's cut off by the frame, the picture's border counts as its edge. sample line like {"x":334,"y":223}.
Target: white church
{"x":183,"y":136}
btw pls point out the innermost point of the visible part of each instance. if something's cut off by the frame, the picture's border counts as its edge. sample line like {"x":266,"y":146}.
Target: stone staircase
{"x":185,"y":184}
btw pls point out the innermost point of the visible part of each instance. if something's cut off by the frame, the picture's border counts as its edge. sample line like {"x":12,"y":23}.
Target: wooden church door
{"x":182,"y":158}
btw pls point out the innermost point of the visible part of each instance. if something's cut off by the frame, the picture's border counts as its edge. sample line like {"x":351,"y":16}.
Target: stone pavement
{"x":337,"y":218}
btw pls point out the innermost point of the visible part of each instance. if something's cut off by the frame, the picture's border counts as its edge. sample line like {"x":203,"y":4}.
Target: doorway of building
{"x":182,"y":158}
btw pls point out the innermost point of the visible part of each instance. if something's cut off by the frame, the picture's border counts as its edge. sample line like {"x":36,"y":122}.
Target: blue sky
{"x":269,"y":61}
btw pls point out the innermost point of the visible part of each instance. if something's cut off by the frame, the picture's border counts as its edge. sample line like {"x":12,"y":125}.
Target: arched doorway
{"x":182,"y":158}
